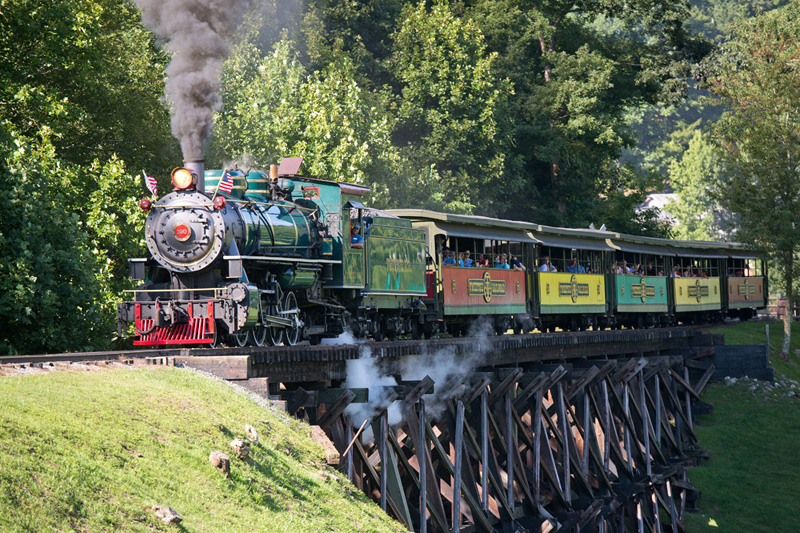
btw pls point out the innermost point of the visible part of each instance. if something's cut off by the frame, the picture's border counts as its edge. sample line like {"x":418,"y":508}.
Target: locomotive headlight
{"x":145,"y":204}
{"x":183,"y":178}
{"x":219,"y":202}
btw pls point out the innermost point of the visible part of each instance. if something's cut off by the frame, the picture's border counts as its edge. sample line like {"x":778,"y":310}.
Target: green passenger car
{"x":641,"y":294}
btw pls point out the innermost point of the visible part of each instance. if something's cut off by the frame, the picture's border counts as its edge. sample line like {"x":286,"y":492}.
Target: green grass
{"x":752,"y":481}
{"x":94,"y":451}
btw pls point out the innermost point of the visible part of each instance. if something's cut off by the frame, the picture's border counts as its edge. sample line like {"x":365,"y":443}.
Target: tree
{"x":90,"y":74}
{"x":577,"y":67}
{"x":454,"y":109}
{"x":275,"y":109}
{"x":80,"y":82}
{"x":757,"y":75}
{"x":66,"y":232}
{"x":694,"y":177}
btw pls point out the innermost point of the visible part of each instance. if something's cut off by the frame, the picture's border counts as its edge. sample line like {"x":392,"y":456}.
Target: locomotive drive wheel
{"x":260,"y":335}
{"x":416,"y":329}
{"x":379,"y":329}
{"x":292,"y":334}
{"x":241,"y":337}
{"x":274,"y":334}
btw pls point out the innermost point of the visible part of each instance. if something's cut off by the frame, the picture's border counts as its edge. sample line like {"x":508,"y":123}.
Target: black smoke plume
{"x":196,"y":33}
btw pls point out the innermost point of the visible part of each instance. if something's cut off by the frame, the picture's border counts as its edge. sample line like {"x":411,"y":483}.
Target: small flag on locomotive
{"x":226,"y":183}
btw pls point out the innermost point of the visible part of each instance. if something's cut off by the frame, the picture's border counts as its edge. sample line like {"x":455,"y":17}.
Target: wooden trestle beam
{"x":598,"y":446}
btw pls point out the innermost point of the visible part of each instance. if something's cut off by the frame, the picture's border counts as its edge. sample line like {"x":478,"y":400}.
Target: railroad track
{"x":559,"y":345}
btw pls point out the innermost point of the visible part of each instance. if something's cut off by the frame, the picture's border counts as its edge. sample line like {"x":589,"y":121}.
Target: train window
{"x":744,"y":267}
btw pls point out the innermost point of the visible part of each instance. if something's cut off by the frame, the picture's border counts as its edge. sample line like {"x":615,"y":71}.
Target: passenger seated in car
{"x":448,"y":259}
{"x":543,"y":264}
{"x":516,"y":264}
{"x":356,"y":240}
{"x":503,"y":263}
{"x":467,"y":261}
{"x":574,"y":267}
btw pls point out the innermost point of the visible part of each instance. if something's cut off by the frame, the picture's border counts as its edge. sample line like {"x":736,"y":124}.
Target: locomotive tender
{"x":271,"y":262}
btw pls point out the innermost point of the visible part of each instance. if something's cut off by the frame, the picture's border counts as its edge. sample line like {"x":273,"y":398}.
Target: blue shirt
{"x":356,"y":239}
{"x":469,"y":262}
{"x":449,"y":261}
{"x":577,"y":269}
{"x":503,"y":265}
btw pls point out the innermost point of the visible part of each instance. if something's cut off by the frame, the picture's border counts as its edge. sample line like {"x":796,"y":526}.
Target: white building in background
{"x":660,"y":201}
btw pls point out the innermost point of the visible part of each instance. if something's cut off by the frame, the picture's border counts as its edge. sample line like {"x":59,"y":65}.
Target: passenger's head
{"x":355,"y":229}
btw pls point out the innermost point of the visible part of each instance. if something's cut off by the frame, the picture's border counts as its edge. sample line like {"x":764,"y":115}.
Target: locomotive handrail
{"x":299,"y":208}
{"x":175,"y":206}
{"x":215,"y":289}
{"x":283,"y":259}
{"x":244,"y":202}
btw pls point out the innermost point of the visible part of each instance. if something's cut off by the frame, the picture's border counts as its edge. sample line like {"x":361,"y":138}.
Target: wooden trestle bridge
{"x":582,"y":442}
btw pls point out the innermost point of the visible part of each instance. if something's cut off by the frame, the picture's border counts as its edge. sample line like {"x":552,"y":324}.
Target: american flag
{"x":226,"y":185}
{"x":150,"y":182}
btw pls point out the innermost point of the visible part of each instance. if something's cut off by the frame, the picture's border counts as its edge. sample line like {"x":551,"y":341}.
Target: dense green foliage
{"x":80,"y":83}
{"x":493,"y":107}
{"x":94,"y":451}
{"x":664,"y":131}
{"x":693,"y":177}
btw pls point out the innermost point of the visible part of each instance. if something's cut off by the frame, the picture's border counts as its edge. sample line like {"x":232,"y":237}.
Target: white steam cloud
{"x":363,"y":373}
{"x":445,"y":367}
{"x":196,"y":33}
{"x":345,"y":338}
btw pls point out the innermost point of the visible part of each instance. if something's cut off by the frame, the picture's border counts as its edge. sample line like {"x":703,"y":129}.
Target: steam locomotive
{"x":245,"y":257}
{"x":271,"y":262}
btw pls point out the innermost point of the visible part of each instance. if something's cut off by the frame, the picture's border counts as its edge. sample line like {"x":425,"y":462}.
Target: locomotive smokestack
{"x":273,"y":172}
{"x":197,"y":166}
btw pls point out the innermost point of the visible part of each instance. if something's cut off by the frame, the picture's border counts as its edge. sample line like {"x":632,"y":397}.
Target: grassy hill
{"x":95,"y":451}
{"x":752,"y":481}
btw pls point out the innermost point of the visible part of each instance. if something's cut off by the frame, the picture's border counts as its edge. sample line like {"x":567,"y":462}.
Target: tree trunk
{"x":789,"y":305}
{"x":548,"y":46}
